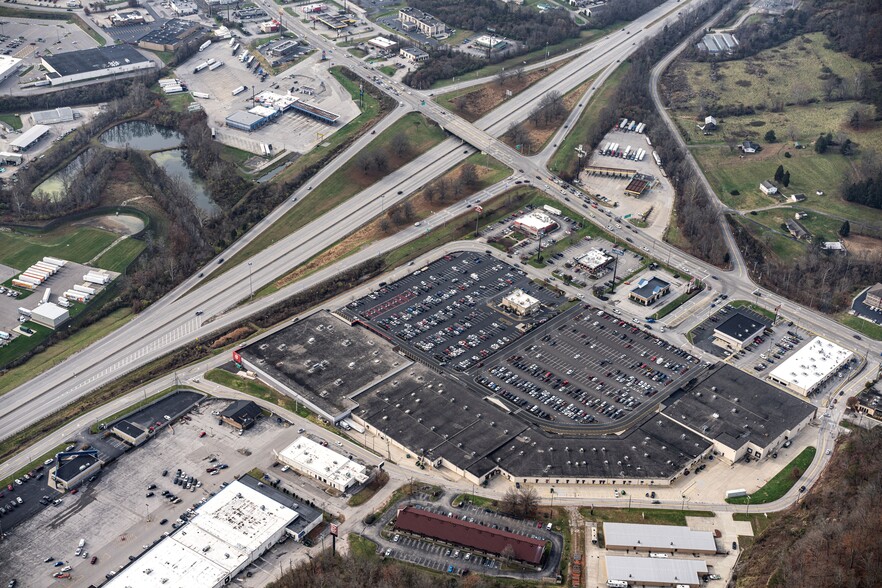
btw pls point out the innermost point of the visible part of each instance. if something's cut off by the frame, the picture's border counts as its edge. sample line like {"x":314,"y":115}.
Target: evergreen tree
{"x":770,"y":137}
{"x":845,"y":229}
{"x":785,"y":179}
{"x":821,"y":144}
{"x":779,"y":173}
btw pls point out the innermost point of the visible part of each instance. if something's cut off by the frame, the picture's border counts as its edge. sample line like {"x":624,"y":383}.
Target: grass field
{"x":121,"y":255}
{"x":79,"y":244}
{"x":649,"y":516}
{"x":64,"y":349}
{"x":819,"y":225}
{"x":13,"y":120}
{"x":347,"y":182}
{"x":566,"y":155}
{"x":757,"y":309}
{"x":781,"y":483}
{"x":759,"y":521}
{"x":362,"y":548}
{"x":871,"y":330}
{"x":782,"y":246}
{"x":256,"y":389}
{"x":179,"y":102}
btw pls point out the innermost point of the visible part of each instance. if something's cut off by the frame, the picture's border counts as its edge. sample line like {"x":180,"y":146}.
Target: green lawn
{"x":816,"y":223}
{"x":757,"y":309}
{"x":774,"y":239}
{"x":179,"y":102}
{"x":64,"y":349}
{"x":346,"y":183}
{"x":13,"y":120}
{"x":649,"y":516}
{"x":566,"y":155}
{"x":759,"y":521}
{"x":674,"y":304}
{"x":257,"y":389}
{"x":871,"y":330}
{"x":362,"y":548}
{"x":474,"y":500}
{"x":781,"y":483}
{"x":121,"y":255}
{"x":388,"y":70}
{"x":79,"y":244}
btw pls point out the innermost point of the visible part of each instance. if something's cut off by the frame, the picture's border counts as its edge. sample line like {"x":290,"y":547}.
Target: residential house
{"x":797,"y":230}
{"x":767,"y":187}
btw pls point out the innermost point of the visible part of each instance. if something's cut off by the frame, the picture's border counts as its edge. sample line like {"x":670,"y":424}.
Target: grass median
{"x":778,"y":486}
{"x":95,"y":428}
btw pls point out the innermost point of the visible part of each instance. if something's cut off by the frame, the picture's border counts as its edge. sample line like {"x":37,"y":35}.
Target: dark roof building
{"x":739,"y":330}
{"x":869,"y":401}
{"x":471,"y":535}
{"x":648,"y":291}
{"x":72,"y":472}
{"x":130,"y":432}
{"x":172,"y":34}
{"x":740,"y":414}
{"x":78,"y":66}
{"x":241,"y":414}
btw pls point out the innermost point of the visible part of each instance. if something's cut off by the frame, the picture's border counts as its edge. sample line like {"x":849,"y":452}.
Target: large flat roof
{"x":325,"y":360}
{"x":29,"y":136}
{"x":90,"y":60}
{"x":662,"y":537}
{"x":655,"y":571}
{"x":732,"y":407}
{"x":226,"y":530}
{"x":811,"y":364}
{"x":68,"y":470}
{"x":742,"y":326}
{"x":324,"y":462}
{"x":473,"y":535}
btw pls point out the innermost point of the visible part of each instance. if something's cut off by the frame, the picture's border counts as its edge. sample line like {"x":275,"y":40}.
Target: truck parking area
{"x":448,"y":311}
{"x":589,"y":366}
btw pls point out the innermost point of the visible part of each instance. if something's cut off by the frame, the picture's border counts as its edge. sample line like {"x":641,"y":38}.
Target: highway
{"x":172,"y":321}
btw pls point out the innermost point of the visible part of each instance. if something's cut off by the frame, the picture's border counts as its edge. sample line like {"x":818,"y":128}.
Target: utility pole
{"x":539,"y":251}
{"x":612,"y":288}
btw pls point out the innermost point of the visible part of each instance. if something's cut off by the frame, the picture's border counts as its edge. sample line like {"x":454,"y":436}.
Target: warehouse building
{"x":228,"y":533}
{"x":535,"y":223}
{"x":595,"y":262}
{"x":321,"y":363}
{"x":311,"y":459}
{"x":470,"y":535}
{"x":639,"y":572}
{"x":657,"y":538}
{"x":51,"y":117}
{"x":8,"y":66}
{"x":520,"y":303}
{"x":173,"y":34}
{"x":90,"y":64}
{"x":29,"y":138}
{"x":252,"y":119}
{"x":414,"y":19}
{"x":811,"y":366}
{"x":739,"y":330}
{"x":50,"y":315}
{"x":241,"y":414}
{"x":649,"y":290}
{"x":741,"y":415}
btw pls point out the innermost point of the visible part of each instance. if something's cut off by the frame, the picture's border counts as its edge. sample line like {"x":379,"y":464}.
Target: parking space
{"x":119,"y":515}
{"x":308,"y":80}
{"x":592,"y":368}
{"x":448,"y":311}
{"x":860,"y":308}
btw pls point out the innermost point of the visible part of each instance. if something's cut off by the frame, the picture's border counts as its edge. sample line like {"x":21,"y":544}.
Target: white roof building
{"x":536,"y":222}
{"x":50,"y":315}
{"x":29,"y":137}
{"x":665,"y":538}
{"x":228,"y":533}
{"x":383,"y":43}
{"x":49,"y":117}
{"x":651,"y":571}
{"x":594,"y":260}
{"x":808,"y":368}
{"x":324,"y":464}
{"x":520,"y":302}
{"x":8,"y":66}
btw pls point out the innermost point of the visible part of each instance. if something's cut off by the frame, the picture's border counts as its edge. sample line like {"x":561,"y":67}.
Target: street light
{"x":747,"y":512}
{"x":683,"y":504}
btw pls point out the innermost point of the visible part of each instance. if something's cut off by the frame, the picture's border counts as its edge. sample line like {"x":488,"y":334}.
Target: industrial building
{"x":173,"y":34}
{"x":739,"y":330}
{"x":414,"y":19}
{"x":653,"y":571}
{"x":228,"y":533}
{"x":70,"y":473}
{"x":413,"y":54}
{"x":54,"y":116}
{"x":657,"y":538}
{"x":718,"y":43}
{"x":131,"y":433}
{"x":595,"y":262}
{"x":241,"y":414}
{"x":649,"y":290}
{"x":50,"y":315}
{"x":8,"y":66}
{"x":323,"y":464}
{"x":741,"y":415}
{"x":470,"y":535}
{"x":29,"y":138}
{"x":252,"y":119}
{"x":535,"y":223}
{"x":811,"y":366}
{"x":520,"y":303}
{"x":89,"y":64}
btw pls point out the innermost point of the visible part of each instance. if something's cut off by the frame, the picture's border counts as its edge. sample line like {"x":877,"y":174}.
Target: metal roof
{"x":661,"y":537}
{"x":655,"y":571}
{"x":29,"y":136}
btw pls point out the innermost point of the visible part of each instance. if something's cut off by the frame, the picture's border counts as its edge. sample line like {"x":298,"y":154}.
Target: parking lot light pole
{"x":552,"y":501}
{"x":683,"y":503}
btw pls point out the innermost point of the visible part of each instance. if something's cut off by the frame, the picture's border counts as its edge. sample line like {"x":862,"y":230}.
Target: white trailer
{"x":551,"y":210}
{"x":46,"y":267}
{"x":655,"y":156}
{"x":24,"y":311}
{"x":33,"y":281}
{"x":96,"y":277}
{"x":204,"y":46}
{"x":19,"y":283}
{"x":46,"y":296}
{"x":627,"y":151}
{"x":215,"y":65}
{"x":173,"y":89}
{"x":200,"y":67}
{"x":58,"y":262}
{"x":736,"y":493}
{"x":64,"y":302}
{"x":613,"y":149}
{"x":641,"y":127}
{"x":201,"y":95}
{"x":84,"y":289}
{"x":232,"y":41}
{"x":239,"y":90}
{"x":624,"y":123}
{"x":38,"y":278}
{"x":211,"y":61}
{"x":78,"y":296}
{"x":631,"y":125}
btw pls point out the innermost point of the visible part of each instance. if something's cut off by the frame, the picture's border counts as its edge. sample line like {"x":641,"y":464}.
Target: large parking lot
{"x":448,"y":311}
{"x":588,"y":366}
{"x":292,"y":131}
{"x":115,"y":515}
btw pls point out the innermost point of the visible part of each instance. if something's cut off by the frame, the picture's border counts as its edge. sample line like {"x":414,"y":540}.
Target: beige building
{"x":520,"y":303}
{"x":427,"y":24}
